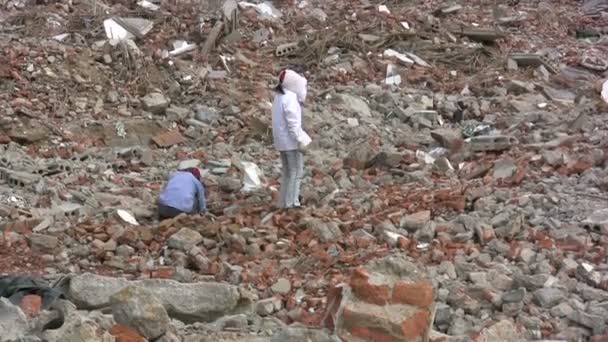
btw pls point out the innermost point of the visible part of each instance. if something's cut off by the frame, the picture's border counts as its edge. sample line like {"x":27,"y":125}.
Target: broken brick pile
{"x":375,"y":306}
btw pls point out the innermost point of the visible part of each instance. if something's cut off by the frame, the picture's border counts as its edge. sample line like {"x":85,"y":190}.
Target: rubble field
{"x":456,"y":188}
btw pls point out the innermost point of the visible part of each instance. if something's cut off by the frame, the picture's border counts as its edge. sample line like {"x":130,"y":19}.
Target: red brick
{"x":458,"y":203}
{"x":123,"y":333}
{"x":375,"y":294}
{"x":599,"y":338}
{"x":4,"y":139}
{"x":416,"y":325}
{"x":413,"y":293}
{"x":403,"y":242}
{"x":163,"y":272}
{"x":575,"y":168}
{"x":30,"y":305}
{"x":371,"y":334}
{"x":519,"y":176}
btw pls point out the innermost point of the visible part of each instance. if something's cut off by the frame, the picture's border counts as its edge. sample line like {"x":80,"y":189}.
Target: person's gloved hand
{"x":303,"y":142}
{"x":302,"y":147}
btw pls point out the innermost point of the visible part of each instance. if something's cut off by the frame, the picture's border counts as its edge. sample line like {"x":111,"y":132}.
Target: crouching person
{"x":184,"y":193}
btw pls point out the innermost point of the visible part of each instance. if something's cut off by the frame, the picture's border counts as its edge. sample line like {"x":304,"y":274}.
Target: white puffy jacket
{"x":287,"y":129}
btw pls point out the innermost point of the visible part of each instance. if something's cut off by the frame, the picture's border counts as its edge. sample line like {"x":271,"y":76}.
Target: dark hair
{"x":279,"y":88}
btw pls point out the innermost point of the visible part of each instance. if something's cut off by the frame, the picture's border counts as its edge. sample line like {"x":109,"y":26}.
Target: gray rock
{"x":500,"y":281}
{"x":597,"y":324}
{"x":186,"y":302}
{"x":512,"y":309}
{"x":448,"y":138}
{"x":415,"y":221}
{"x":13,"y":322}
{"x":302,"y":334}
{"x":562,"y":310}
{"x":479,"y":278}
{"x":206,"y":115}
{"x":443,"y":314}
{"x":235,"y":322}
{"x":169,"y":337}
{"x":184,"y":239}
{"x":459,"y":327}
{"x":325,"y":231}
{"x":112,"y":96}
{"x":229,"y":184}
{"x":124,"y":251}
{"x":75,"y":328}
{"x":427,"y":233}
{"x":553,"y":157}
{"x":43,"y":242}
{"x":590,"y":294}
{"x":355,"y":105}
{"x":549,"y":297}
{"x":587,"y":273}
{"x":504,"y":168}
{"x":318,"y":15}
{"x":178,"y":113}
{"x":282,"y":286}
{"x":530,"y":282}
{"x":504,"y":331}
{"x":514,"y":296}
{"x":527,"y":255}
{"x":139,"y":309}
{"x":155,"y":103}
{"x":268,"y":306}
{"x":519,"y":87}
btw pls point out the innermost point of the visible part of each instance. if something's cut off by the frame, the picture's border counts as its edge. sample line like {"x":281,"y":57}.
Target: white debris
{"x":119,"y":29}
{"x":392,"y":76}
{"x":61,"y":37}
{"x":148,"y":5}
{"x":587,"y":267}
{"x":251,"y":179}
{"x":417,"y":59}
{"x":401,"y":57}
{"x":424,"y":157}
{"x":383,"y":9}
{"x":127,"y":217}
{"x":181,"y":47}
{"x":114,"y":31}
{"x":264,"y":9}
{"x":605,"y":91}
{"x":352,"y":122}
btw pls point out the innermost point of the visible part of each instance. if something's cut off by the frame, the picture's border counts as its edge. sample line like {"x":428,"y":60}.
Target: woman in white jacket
{"x":289,"y":137}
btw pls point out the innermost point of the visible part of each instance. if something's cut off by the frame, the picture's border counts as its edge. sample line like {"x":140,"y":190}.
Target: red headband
{"x":195,"y":172}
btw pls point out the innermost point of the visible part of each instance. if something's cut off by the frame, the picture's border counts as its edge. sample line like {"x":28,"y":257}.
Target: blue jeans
{"x":292,"y":163}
